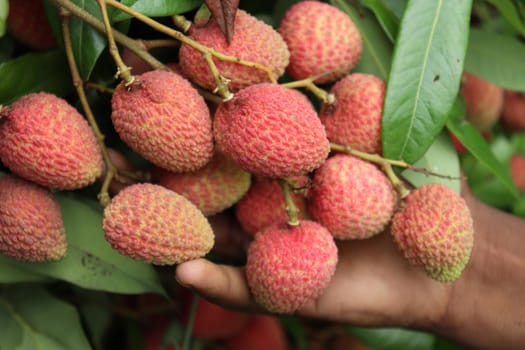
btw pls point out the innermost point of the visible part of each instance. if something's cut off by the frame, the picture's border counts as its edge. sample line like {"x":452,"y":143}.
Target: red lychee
{"x":253,"y":41}
{"x":513,"y":114}
{"x":45,"y":140}
{"x":27,"y":22}
{"x":354,"y":119}
{"x":434,"y":230}
{"x":483,"y":101}
{"x":272,"y":131}
{"x":352,"y":198}
{"x":31,"y":226}
{"x":213,"y":188}
{"x":151,"y":223}
{"x":264,"y":204}
{"x":264,"y":332}
{"x":164,"y":119}
{"x":290,"y":266}
{"x":322,"y":39}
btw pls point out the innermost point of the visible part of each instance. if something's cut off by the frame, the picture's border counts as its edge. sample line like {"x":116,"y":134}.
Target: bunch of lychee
{"x":266,"y":152}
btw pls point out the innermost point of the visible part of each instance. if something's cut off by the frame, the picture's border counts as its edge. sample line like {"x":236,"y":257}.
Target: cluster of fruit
{"x":266,"y":150}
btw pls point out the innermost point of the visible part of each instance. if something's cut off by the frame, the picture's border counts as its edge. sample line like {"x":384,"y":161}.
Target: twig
{"x":291,"y":208}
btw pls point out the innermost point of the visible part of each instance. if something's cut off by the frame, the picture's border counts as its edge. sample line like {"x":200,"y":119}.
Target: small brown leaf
{"x":224,"y":13}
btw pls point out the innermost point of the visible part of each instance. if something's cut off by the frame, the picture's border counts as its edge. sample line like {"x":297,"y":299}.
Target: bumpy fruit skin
{"x":434,"y":229}
{"x":264,"y":332}
{"x":164,"y":119}
{"x":513,"y":114}
{"x":288,"y":266}
{"x":352,"y":198}
{"x":27,"y":22}
{"x":483,"y":101}
{"x":253,"y":41}
{"x":213,"y":188}
{"x":31,"y":226}
{"x":517,"y":171}
{"x":151,"y":223}
{"x":272,"y":131}
{"x":264,"y":204}
{"x":321,"y":39}
{"x":354,"y":119}
{"x":45,"y":140}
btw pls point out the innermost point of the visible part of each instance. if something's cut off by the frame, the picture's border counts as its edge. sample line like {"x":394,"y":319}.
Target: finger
{"x":222,"y":284}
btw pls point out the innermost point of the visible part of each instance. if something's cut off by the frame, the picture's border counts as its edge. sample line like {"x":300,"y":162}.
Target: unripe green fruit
{"x":31,"y":226}
{"x":434,"y":229}
{"x":289,"y":266}
{"x":45,"y":140}
{"x":164,"y":119}
{"x":151,"y":223}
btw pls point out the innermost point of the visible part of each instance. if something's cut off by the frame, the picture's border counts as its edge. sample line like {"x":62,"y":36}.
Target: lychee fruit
{"x":253,"y":40}
{"x":272,"y":131}
{"x":513,"y":113}
{"x":354,"y":119}
{"x":264,"y":204}
{"x":517,"y":171}
{"x":213,"y":188}
{"x":27,"y":22}
{"x":151,"y":223}
{"x":262,"y":333}
{"x":434,"y":230}
{"x":165,"y":120}
{"x":322,"y":40}
{"x":212,"y":321}
{"x":289,"y":266}
{"x":45,"y":140}
{"x":351,"y":197}
{"x":31,"y":226}
{"x":483,"y":101}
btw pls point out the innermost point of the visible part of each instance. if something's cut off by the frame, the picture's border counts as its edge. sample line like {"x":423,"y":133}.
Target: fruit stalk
{"x":308,"y":84}
{"x":122,"y":69}
{"x":186,"y":344}
{"x":291,"y":208}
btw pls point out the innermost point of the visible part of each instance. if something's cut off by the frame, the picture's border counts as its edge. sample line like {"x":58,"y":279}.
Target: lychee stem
{"x":186,"y":40}
{"x":136,"y":46}
{"x":181,"y":22}
{"x":291,"y":208}
{"x":123,"y":70}
{"x":78,"y":83}
{"x":191,"y":321}
{"x":99,"y":87}
{"x":308,"y":84}
{"x":220,"y":80}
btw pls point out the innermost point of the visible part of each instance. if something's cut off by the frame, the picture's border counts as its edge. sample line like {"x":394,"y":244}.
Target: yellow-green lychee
{"x":46,"y":140}
{"x":354,"y":119}
{"x":253,"y":40}
{"x":31,"y":226}
{"x":322,"y":40}
{"x":213,"y":188}
{"x":154,"y":224}
{"x":290,"y":266}
{"x":351,"y":197}
{"x":164,"y":119}
{"x":271,"y":131}
{"x":434,"y":230}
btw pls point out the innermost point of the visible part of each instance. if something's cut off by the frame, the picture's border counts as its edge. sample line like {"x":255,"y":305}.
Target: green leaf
{"x":96,"y":313}
{"x":91,"y":262}
{"x":377,"y":49}
{"x":477,"y":146}
{"x":34,"y":72}
{"x":518,"y":207}
{"x":446,"y":344}
{"x":4,"y":11}
{"x":509,"y":10}
{"x":441,"y":158}
{"x":158,"y":8}
{"x":30,"y":318}
{"x":393,"y":338}
{"x":397,"y":7}
{"x":496,"y":58}
{"x":388,"y":21}
{"x":12,"y":274}
{"x":7,"y":48}
{"x":425,"y":76}
{"x":295,"y":328}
